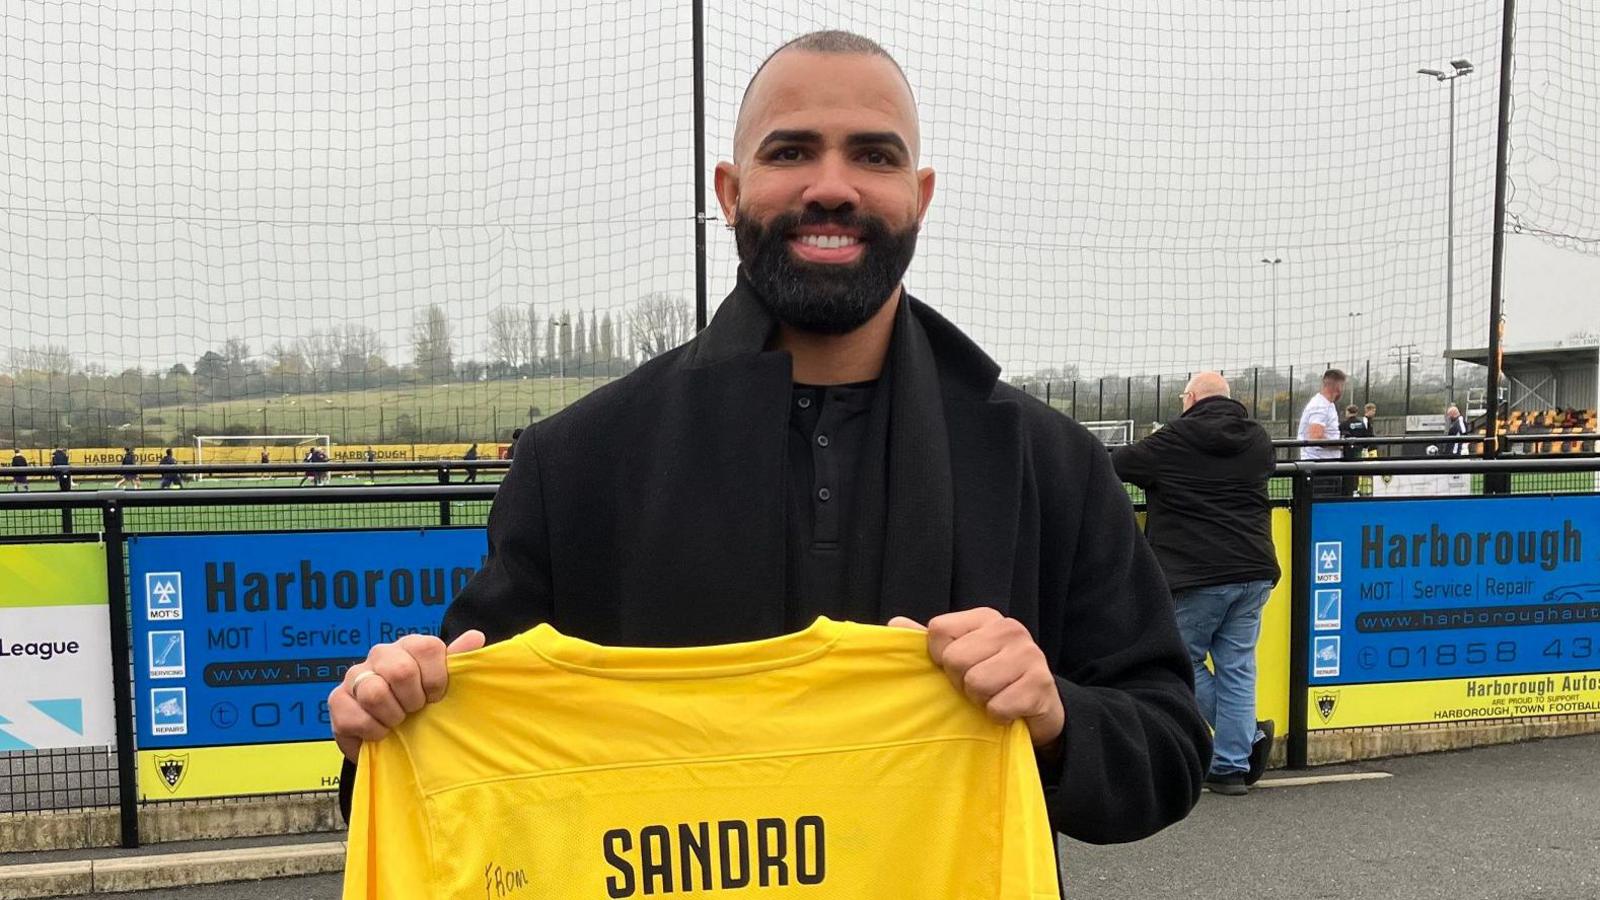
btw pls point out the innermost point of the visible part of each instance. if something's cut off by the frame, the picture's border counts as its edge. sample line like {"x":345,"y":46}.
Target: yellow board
{"x":1452,"y":700}
{"x":1272,"y":649}
{"x":251,"y":453}
{"x":199,"y":772}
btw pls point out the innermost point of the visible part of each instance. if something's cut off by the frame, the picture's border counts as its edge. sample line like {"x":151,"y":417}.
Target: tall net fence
{"x":1111,"y":178}
{"x":1554,"y":168}
{"x":431,"y":222}
{"x":440,"y":222}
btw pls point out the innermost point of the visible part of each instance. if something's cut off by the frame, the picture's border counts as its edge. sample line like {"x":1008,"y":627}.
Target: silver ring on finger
{"x":355,"y":684}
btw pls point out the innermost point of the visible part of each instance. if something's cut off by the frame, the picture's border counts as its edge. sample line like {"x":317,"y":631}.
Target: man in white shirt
{"x":1320,"y":421}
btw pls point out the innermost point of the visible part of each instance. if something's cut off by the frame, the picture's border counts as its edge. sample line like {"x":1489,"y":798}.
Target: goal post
{"x":247,"y":448}
{"x":1111,"y":432}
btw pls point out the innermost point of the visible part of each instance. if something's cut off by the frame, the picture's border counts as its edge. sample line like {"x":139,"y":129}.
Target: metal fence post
{"x":1299,"y":619}
{"x":121,"y":675}
{"x":64,"y":484}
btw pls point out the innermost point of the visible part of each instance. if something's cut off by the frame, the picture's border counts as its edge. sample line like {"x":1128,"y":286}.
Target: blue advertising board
{"x":1419,"y":590}
{"x":238,"y":638}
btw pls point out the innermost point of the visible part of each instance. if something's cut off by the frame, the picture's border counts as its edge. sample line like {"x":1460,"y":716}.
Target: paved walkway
{"x":1504,"y":823}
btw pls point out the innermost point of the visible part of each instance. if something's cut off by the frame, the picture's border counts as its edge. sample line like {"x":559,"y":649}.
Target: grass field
{"x":476,"y":411}
{"x":18,"y":522}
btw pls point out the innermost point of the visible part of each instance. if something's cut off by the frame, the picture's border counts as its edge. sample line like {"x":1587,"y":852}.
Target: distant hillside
{"x":483,"y":411}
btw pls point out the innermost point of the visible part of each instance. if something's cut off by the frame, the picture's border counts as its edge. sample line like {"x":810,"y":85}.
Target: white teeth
{"x":828,"y":241}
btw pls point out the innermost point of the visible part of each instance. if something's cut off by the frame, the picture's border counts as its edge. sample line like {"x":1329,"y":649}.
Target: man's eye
{"x":787,"y":154}
{"x":877,"y":158}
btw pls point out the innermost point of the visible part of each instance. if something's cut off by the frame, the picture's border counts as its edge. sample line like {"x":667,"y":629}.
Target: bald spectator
{"x":1210,"y":522}
{"x":1455,"y":425}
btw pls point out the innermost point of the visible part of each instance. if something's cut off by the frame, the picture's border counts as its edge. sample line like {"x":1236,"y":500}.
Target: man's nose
{"x":832,"y":187}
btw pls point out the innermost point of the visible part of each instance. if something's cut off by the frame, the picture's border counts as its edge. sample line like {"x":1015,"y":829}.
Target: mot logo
{"x":163,"y":595}
{"x":1328,"y":562}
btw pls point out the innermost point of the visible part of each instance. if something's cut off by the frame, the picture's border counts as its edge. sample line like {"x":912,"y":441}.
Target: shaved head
{"x":827,"y":43}
{"x":1208,"y":384}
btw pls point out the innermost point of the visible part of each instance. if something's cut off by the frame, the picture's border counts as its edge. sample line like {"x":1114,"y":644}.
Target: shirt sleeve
{"x":513,"y":591}
{"x":1137,"y":463}
{"x":387,"y":852}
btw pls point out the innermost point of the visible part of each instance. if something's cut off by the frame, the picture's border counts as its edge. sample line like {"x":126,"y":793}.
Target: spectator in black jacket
{"x":1210,"y":522}
{"x":1355,"y":425}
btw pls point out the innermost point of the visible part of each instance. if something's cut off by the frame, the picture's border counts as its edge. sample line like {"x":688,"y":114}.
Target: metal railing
{"x":87,"y":777}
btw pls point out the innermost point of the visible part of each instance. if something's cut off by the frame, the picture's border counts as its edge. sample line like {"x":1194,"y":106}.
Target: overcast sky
{"x":173,"y":173}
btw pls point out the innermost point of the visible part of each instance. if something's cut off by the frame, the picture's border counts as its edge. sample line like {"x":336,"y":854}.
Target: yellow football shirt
{"x":835,"y":762}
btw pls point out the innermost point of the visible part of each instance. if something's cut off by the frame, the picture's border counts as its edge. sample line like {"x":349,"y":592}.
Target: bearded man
{"x":830,"y":446}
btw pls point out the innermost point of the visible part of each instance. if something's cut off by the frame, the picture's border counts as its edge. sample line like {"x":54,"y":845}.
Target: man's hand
{"x":995,"y":662}
{"x":396,"y":680}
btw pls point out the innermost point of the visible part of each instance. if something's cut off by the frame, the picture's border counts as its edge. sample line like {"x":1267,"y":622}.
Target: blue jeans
{"x":1224,"y":620}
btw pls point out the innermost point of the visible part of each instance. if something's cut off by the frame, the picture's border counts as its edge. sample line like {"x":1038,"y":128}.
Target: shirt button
{"x":823,"y":494}
{"x":805,"y":402}
{"x":822,"y":440}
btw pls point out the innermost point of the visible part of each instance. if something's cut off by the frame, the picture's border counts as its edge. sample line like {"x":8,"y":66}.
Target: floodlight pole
{"x":1273,"y":355}
{"x":561,"y":358}
{"x":1458,"y":69}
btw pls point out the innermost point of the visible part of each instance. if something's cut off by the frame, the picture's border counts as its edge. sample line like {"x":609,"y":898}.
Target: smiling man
{"x":830,"y":446}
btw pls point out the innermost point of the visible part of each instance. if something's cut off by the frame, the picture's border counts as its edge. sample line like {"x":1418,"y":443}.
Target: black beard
{"x":822,"y":298}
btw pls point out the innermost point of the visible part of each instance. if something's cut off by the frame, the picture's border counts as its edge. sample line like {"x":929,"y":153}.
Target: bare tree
{"x":580,"y":342}
{"x":658,"y":322}
{"x":509,"y":338}
{"x":357,"y":347}
{"x":237,"y":354}
{"x":319,"y":352}
{"x":48,"y":360}
{"x":532,"y":314}
{"x":287,"y":359}
{"x":608,"y":338}
{"x":430,"y":343}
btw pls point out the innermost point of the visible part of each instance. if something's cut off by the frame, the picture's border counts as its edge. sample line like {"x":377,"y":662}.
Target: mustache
{"x":868,"y":227}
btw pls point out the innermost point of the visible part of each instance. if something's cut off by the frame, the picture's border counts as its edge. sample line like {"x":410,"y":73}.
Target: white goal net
{"x":255,"y":448}
{"x":1111,"y":432}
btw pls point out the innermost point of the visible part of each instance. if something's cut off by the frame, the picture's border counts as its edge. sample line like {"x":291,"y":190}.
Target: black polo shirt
{"x":830,"y":442}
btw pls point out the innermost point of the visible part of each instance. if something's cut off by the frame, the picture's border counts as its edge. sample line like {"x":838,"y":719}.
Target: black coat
{"x":652,"y":512}
{"x":1205,"y":473}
